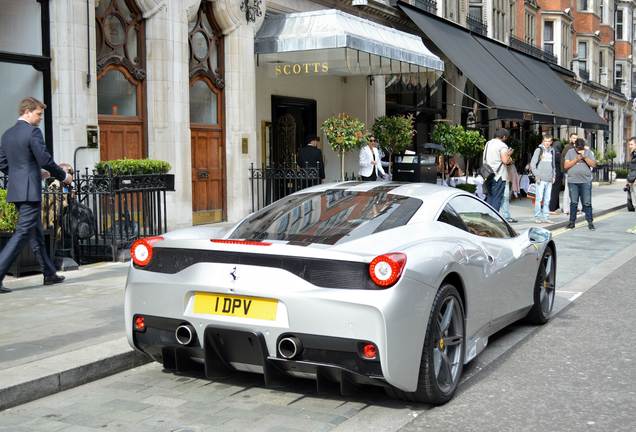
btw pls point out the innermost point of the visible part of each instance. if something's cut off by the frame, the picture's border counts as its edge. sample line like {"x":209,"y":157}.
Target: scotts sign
{"x":301,"y":68}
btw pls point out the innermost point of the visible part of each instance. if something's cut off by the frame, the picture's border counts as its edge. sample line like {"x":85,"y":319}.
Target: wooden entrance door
{"x":208,"y":175}
{"x":293,"y":119}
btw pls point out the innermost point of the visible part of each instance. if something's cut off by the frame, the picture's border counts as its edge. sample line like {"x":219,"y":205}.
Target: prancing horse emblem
{"x":233,"y":274}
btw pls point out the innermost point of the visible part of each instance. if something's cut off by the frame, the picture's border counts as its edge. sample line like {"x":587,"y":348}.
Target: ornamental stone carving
{"x":229,"y":16}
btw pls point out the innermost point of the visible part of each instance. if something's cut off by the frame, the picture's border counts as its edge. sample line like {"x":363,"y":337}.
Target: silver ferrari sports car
{"x":392,"y":284}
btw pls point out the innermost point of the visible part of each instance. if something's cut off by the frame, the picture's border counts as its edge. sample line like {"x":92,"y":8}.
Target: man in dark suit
{"x":22,"y":155}
{"x":310,"y":156}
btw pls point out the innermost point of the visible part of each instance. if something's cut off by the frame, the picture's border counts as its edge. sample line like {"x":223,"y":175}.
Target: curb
{"x":45,"y":377}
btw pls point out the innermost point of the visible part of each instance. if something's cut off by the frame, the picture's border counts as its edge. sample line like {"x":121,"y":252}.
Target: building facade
{"x":193,"y":82}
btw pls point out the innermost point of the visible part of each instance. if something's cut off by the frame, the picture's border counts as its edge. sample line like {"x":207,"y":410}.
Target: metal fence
{"x":101,"y":214}
{"x":271,"y":183}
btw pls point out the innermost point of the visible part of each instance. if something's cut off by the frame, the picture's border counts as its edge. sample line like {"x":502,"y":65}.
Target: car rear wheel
{"x":544,"y":289}
{"x":443,"y":353}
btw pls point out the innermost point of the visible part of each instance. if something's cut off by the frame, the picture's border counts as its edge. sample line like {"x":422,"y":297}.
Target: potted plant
{"x":470,"y":145}
{"x":130,"y":172}
{"x":344,"y":133}
{"x":394,"y":133}
{"x":448,"y":136}
{"x":26,"y":260}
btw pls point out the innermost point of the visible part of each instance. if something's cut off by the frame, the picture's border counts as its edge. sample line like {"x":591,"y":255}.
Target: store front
{"x":313,"y":65}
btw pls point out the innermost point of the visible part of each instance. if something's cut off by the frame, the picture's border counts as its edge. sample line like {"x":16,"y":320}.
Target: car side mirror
{"x":538,"y":235}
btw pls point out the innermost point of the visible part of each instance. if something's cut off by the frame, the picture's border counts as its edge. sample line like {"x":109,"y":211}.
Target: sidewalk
{"x":61,"y":336}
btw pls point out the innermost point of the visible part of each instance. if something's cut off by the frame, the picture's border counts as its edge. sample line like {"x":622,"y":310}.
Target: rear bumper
{"x":325,"y":359}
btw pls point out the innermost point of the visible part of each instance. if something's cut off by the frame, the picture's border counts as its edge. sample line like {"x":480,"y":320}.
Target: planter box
{"x":144,"y":182}
{"x":26,"y":262}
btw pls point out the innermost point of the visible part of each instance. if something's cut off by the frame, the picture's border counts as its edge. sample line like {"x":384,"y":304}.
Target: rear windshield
{"x":329,"y":217}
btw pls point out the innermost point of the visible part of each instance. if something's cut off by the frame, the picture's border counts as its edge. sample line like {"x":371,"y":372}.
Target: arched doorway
{"x":207,"y":118}
{"x":120,"y":79}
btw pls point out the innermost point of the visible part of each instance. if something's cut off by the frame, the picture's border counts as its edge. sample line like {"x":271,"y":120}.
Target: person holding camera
{"x":578,"y":164}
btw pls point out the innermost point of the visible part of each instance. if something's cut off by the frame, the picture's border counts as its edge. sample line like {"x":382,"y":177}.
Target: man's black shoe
{"x":53,"y":279}
{"x":4,"y":290}
{"x":570,"y":225}
{"x":591,"y":226}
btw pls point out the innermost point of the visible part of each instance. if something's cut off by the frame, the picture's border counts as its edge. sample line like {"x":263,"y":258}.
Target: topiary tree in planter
{"x":136,"y":167}
{"x":344,"y":133}
{"x":471,"y":144}
{"x":8,"y":213}
{"x":394,"y":133}
{"x":448,"y":136}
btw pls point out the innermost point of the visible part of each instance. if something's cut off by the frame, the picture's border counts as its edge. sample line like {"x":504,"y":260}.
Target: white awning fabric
{"x":351,"y":45}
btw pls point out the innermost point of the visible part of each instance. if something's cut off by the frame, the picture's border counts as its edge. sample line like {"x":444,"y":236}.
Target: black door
{"x":293,"y":119}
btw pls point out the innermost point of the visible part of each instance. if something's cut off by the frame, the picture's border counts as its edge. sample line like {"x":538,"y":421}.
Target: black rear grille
{"x":320,"y":272}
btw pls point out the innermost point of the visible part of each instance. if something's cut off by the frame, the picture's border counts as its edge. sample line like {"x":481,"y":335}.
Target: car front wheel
{"x":544,"y":289}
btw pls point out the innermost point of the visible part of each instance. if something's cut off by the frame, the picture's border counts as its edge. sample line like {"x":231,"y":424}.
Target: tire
{"x":443,"y":352}
{"x":544,"y":289}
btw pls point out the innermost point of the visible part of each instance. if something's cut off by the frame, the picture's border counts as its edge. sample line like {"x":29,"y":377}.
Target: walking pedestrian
{"x":542,"y":166}
{"x":555,"y":206}
{"x":631,"y":175}
{"x":310,"y":156}
{"x":578,"y":163}
{"x":370,"y":165}
{"x":22,"y":155}
{"x":497,"y":155}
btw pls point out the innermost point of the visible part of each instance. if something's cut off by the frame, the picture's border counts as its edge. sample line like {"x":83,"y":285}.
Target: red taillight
{"x":141,"y":250}
{"x":369,"y":351}
{"x":386,"y":269}
{"x":242,"y":242}
{"x":140,"y":323}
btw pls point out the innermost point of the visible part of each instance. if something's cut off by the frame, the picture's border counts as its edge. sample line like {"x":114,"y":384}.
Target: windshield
{"x":329,"y":217}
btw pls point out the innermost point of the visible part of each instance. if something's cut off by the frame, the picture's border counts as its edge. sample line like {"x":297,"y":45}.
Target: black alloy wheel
{"x":544,"y":289}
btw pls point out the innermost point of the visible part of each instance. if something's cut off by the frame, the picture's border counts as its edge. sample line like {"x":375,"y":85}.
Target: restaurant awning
{"x":351,"y":45}
{"x":520,"y":87}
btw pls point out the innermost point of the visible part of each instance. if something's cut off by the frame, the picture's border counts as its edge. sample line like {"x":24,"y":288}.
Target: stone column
{"x":240,"y":106}
{"x":74,"y":101}
{"x":376,"y":95}
{"x":167,"y":98}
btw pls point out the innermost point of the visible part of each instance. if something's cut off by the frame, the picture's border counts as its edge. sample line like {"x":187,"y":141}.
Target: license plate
{"x":236,"y":306}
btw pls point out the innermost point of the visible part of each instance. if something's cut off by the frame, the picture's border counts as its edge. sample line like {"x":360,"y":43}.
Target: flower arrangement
{"x":344,"y":133}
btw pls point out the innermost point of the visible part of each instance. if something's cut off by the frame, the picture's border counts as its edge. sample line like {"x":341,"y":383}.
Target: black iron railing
{"x":618,"y":87}
{"x":426,"y":5}
{"x":584,"y":74}
{"x":476,"y":25}
{"x":271,"y":183}
{"x":532,"y":50}
{"x":101,"y":214}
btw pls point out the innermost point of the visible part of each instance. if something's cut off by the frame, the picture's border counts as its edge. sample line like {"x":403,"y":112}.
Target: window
{"x":475,"y":9}
{"x":498,"y":19}
{"x":582,"y":56}
{"x":602,"y":11}
{"x":336,"y":216}
{"x":566,"y":42}
{"x":619,"y":76}
{"x":582,"y":5}
{"x":530,"y":28}
{"x":450,"y":217}
{"x":601,"y":67}
{"x":548,"y":37}
{"x":451,"y":10}
{"x":116,"y":95}
{"x":512,"y":12}
{"x":480,"y":219}
{"x":619,"y":24}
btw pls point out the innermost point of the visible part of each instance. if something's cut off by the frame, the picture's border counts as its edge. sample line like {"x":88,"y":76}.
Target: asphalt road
{"x":574,"y":374}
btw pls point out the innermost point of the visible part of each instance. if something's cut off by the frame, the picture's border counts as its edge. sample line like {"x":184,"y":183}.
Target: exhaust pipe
{"x":184,"y":334}
{"x":289,"y":347}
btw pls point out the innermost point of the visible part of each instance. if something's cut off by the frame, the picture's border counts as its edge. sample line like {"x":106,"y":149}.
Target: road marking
{"x":575,"y":296}
{"x":560,"y":231}
{"x":632,"y":230}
